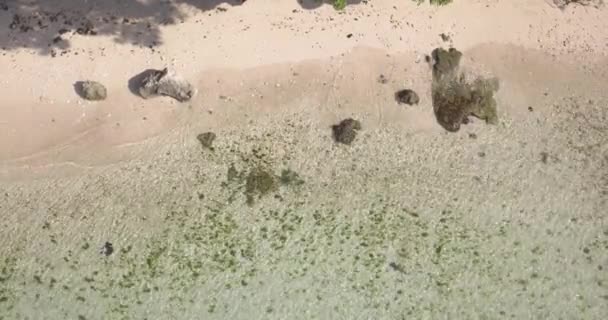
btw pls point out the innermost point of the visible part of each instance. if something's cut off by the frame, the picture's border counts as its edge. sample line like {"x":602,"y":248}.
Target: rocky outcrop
{"x":165,"y":83}
{"x":455,"y":98}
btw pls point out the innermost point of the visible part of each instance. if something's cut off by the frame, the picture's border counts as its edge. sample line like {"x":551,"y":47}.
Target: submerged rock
{"x":163,"y":82}
{"x":346,"y":131}
{"x":92,"y":90}
{"x":206,"y":139}
{"x":407,"y":96}
{"x":446,"y":63}
{"x":455,"y":99}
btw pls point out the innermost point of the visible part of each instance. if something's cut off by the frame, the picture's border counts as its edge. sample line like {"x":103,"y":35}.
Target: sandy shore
{"x":410,"y":221}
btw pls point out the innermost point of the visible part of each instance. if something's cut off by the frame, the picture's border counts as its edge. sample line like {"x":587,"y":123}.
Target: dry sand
{"x":408,"y":222}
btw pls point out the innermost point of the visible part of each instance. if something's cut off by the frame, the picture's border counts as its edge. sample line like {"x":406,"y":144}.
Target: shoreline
{"x":227,"y":97}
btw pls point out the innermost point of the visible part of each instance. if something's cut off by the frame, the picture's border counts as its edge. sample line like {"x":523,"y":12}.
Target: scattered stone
{"x":92,"y":90}
{"x":346,"y":131}
{"x":206,"y":139}
{"x":382,"y":79}
{"x":407,"y":96}
{"x":107,"y":249}
{"x":350,"y":35}
{"x":455,"y":99}
{"x":530,"y":109}
{"x":163,"y":82}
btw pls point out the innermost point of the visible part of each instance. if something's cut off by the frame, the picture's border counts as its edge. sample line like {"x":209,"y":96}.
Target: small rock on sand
{"x":455,"y":98}
{"x":346,"y":131}
{"x":92,"y":90}
{"x":407,"y":96}
{"x":206,"y":139}
{"x":163,"y":82}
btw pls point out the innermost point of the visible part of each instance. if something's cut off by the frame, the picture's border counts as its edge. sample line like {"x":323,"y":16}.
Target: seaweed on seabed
{"x":259,"y":182}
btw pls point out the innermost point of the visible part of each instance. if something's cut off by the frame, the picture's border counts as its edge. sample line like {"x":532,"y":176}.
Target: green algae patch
{"x":289,"y":178}
{"x":259,"y":183}
{"x":255,"y":178}
{"x":7,"y":294}
{"x":455,"y":98}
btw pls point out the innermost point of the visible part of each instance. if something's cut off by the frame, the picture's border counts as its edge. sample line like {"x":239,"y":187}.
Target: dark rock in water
{"x":346,"y":131}
{"x":163,"y":82}
{"x":455,"y":99}
{"x":446,"y":62}
{"x":206,"y":139}
{"x":92,"y":90}
{"x":107,"y":249}
{"x":407,"y":96}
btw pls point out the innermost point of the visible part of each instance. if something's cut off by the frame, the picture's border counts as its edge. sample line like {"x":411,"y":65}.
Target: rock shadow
{"x":47,"y":26}
{"x":78,"y":88}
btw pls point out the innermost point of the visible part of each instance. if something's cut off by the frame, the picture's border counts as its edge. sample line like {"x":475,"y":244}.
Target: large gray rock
{"x":165,"y":83}
{"x":92,"y":90}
